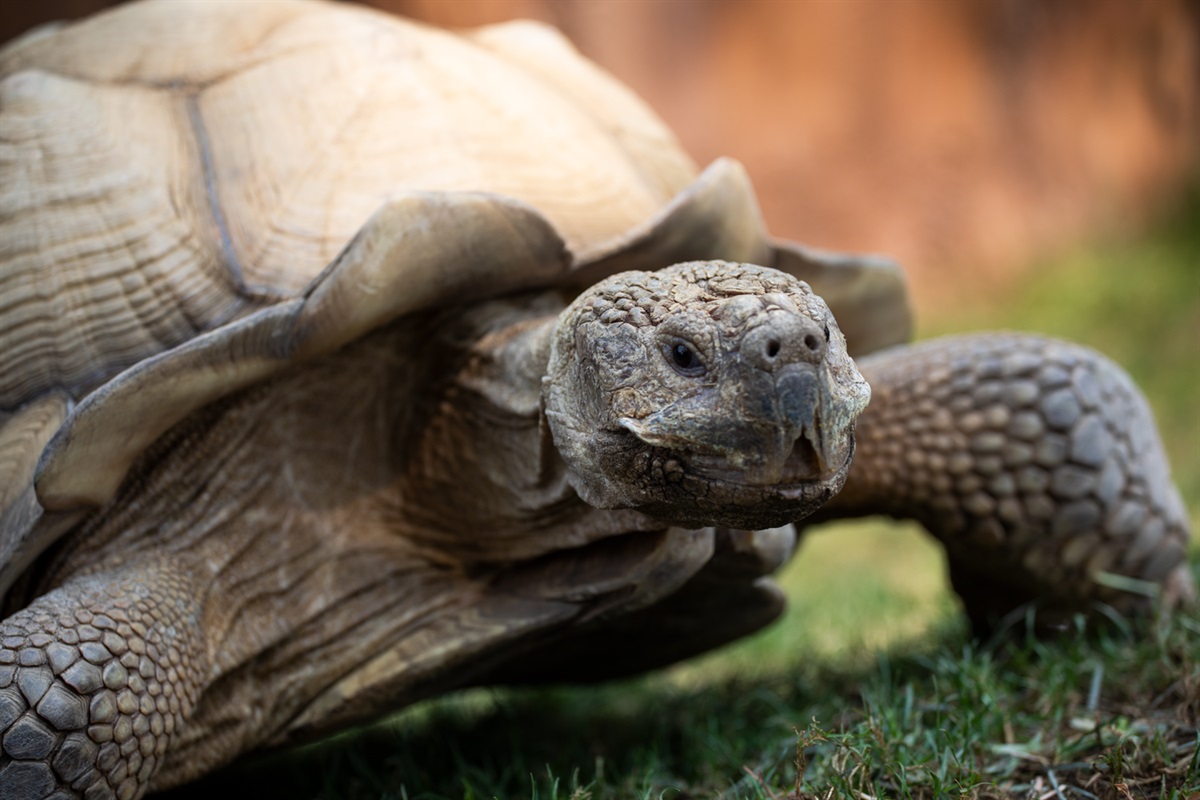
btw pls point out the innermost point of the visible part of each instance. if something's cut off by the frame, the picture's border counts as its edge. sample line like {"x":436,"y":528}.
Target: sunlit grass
{"x":853,"y":588}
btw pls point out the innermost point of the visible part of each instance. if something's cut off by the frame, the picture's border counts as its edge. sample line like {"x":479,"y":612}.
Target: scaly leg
{"x":1035,"y":462}
{"x":96,"y":679}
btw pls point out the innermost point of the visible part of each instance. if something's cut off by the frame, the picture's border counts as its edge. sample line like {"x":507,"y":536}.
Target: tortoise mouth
{"x":800,"y":480}
{"x":802,"y":467}
{"x":696,"y":490}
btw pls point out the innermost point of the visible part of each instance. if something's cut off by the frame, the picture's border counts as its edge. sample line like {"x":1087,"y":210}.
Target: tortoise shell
{"x":180,"y":183}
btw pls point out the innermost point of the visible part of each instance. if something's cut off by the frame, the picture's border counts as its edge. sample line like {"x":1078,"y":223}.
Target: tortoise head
{"x":708,"y":393}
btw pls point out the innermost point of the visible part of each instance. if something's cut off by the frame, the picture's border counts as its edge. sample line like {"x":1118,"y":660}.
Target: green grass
{"x":927,"y":716}
{"x":869,"y":687}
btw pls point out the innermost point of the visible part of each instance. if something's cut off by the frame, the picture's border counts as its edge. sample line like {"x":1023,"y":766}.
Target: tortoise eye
{"x":684,"y":358}
{"x":827,"y":331}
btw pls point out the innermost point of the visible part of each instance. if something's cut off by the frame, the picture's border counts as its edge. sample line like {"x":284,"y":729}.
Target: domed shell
{"x":194,"y":195}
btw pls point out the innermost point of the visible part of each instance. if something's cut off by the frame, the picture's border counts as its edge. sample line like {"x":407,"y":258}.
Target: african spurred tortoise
{"x":343,"y":362}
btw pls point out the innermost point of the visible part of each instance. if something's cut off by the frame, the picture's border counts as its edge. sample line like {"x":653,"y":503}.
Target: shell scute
{"x":236,"y":188}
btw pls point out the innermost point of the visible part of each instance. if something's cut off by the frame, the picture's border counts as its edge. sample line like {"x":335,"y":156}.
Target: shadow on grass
{"x":629,"y":739}
{"x":943,"y":718}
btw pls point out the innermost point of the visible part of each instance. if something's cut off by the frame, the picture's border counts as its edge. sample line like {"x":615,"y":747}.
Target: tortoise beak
{"x":802,"y":397}
{"x":780,"y":436}
{"x":801,"y":437}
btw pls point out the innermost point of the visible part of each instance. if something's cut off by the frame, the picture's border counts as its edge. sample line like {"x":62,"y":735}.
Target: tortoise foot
{"x":96,"y":680}
{"x":1037,"y":463}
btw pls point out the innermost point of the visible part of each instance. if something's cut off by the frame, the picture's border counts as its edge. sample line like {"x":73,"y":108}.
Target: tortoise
{"x":345,"y":361}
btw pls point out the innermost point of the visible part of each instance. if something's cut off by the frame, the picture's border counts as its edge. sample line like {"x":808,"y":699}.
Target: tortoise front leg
{"x":96,"y":679}
{"x":1035,"y":462}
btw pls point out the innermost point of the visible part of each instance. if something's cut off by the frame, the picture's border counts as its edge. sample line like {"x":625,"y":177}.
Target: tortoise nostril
{"x":812,"y":342}
{"x":773,"y":348}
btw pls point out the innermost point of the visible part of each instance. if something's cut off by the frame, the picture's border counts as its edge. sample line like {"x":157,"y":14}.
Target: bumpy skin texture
{"x":705,"y":393}
{"x":1035,"y":462}
{"x":96,"y":681}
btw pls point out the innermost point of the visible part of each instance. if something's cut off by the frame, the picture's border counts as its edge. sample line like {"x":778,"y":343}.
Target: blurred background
{"x":966,"y":139}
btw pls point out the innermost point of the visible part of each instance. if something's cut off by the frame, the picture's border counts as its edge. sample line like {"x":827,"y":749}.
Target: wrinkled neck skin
{"x":487,"y":454}
{"x":435,"y":425}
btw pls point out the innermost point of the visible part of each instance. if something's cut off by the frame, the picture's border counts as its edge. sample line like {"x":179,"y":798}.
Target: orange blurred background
{"x":968,"y":139}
